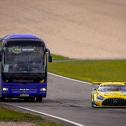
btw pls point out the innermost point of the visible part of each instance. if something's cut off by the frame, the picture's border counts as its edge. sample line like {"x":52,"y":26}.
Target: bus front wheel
{"x":2,"y":99}
{"x":39,"y":99}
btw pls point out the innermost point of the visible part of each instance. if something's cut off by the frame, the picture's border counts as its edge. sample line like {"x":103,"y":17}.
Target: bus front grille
{"x":24,"y":91}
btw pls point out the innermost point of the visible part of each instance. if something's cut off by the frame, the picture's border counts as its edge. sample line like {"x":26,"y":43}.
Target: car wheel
{"x":92,"y":104}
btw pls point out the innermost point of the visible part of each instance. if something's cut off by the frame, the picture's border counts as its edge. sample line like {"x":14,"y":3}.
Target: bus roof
{"x":14,"y":37}
{"x":21,"y":36}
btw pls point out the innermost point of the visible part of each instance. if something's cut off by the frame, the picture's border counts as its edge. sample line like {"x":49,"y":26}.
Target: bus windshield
{"x":23,"y":58}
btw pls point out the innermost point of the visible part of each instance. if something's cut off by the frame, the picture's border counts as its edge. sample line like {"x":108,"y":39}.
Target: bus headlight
{"x":5,"y":89}
{"x":43,"y":89}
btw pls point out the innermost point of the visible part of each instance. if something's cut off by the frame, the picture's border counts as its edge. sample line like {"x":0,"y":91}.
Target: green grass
{"x":91,"y":70}
{"x":49,"y":124}
{"x":58,"y":57}
{"x":6,"y":114}
{"x":10,"y":115}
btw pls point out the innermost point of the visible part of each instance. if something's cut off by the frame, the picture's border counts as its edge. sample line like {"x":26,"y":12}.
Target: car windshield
{"x":19,"y":58}
{"x":112,"y":88}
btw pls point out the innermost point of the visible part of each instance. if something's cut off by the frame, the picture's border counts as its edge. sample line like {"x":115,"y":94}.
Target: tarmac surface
{"x":71,"y":100}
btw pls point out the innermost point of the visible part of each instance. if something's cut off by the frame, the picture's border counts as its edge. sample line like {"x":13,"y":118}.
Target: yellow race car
{"x":109,"y":94}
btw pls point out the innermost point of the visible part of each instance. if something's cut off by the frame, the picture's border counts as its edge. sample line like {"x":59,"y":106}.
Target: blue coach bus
{"x":24,"y":60}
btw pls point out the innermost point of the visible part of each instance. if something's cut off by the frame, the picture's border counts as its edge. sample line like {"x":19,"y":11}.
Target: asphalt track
{"x":70,"y":99}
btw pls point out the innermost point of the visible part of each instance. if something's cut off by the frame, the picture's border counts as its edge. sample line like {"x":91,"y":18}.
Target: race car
{"x":109,"y":94}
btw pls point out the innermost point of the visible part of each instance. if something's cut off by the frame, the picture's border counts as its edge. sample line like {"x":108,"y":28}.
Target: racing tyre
{"x":92,"y":104}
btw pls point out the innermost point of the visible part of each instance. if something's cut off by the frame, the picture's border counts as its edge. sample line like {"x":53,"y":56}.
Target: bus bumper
{"x":23,"y":92}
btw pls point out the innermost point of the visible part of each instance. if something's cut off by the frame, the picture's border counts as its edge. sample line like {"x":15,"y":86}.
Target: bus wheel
{"x":26,"y":99}
{"x":2,"y":99}
{"x":32,"y":98}
{"x":39,"y":99}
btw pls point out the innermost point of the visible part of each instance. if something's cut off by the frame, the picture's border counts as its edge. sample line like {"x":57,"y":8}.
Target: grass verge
{"x":58,"y":57}
{"x":10,"y":115}
{"x":91,"y":70}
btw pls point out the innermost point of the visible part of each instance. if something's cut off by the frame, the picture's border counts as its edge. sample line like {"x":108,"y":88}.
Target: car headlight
{"x":5,"y":89}
{"x":100,"y":97}
{"x":43,"y":89}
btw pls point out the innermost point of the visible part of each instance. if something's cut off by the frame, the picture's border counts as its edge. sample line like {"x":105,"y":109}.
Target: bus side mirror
{"x":0,"y":54}
{"x":1,"y":49}
{"x":49,"y":55}
{"x":50,"y":58}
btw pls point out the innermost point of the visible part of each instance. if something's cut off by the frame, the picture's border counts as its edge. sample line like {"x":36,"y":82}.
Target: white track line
{"x":84,"y":82}
{"x":46,"y":114}
{"x":52,"y":116}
